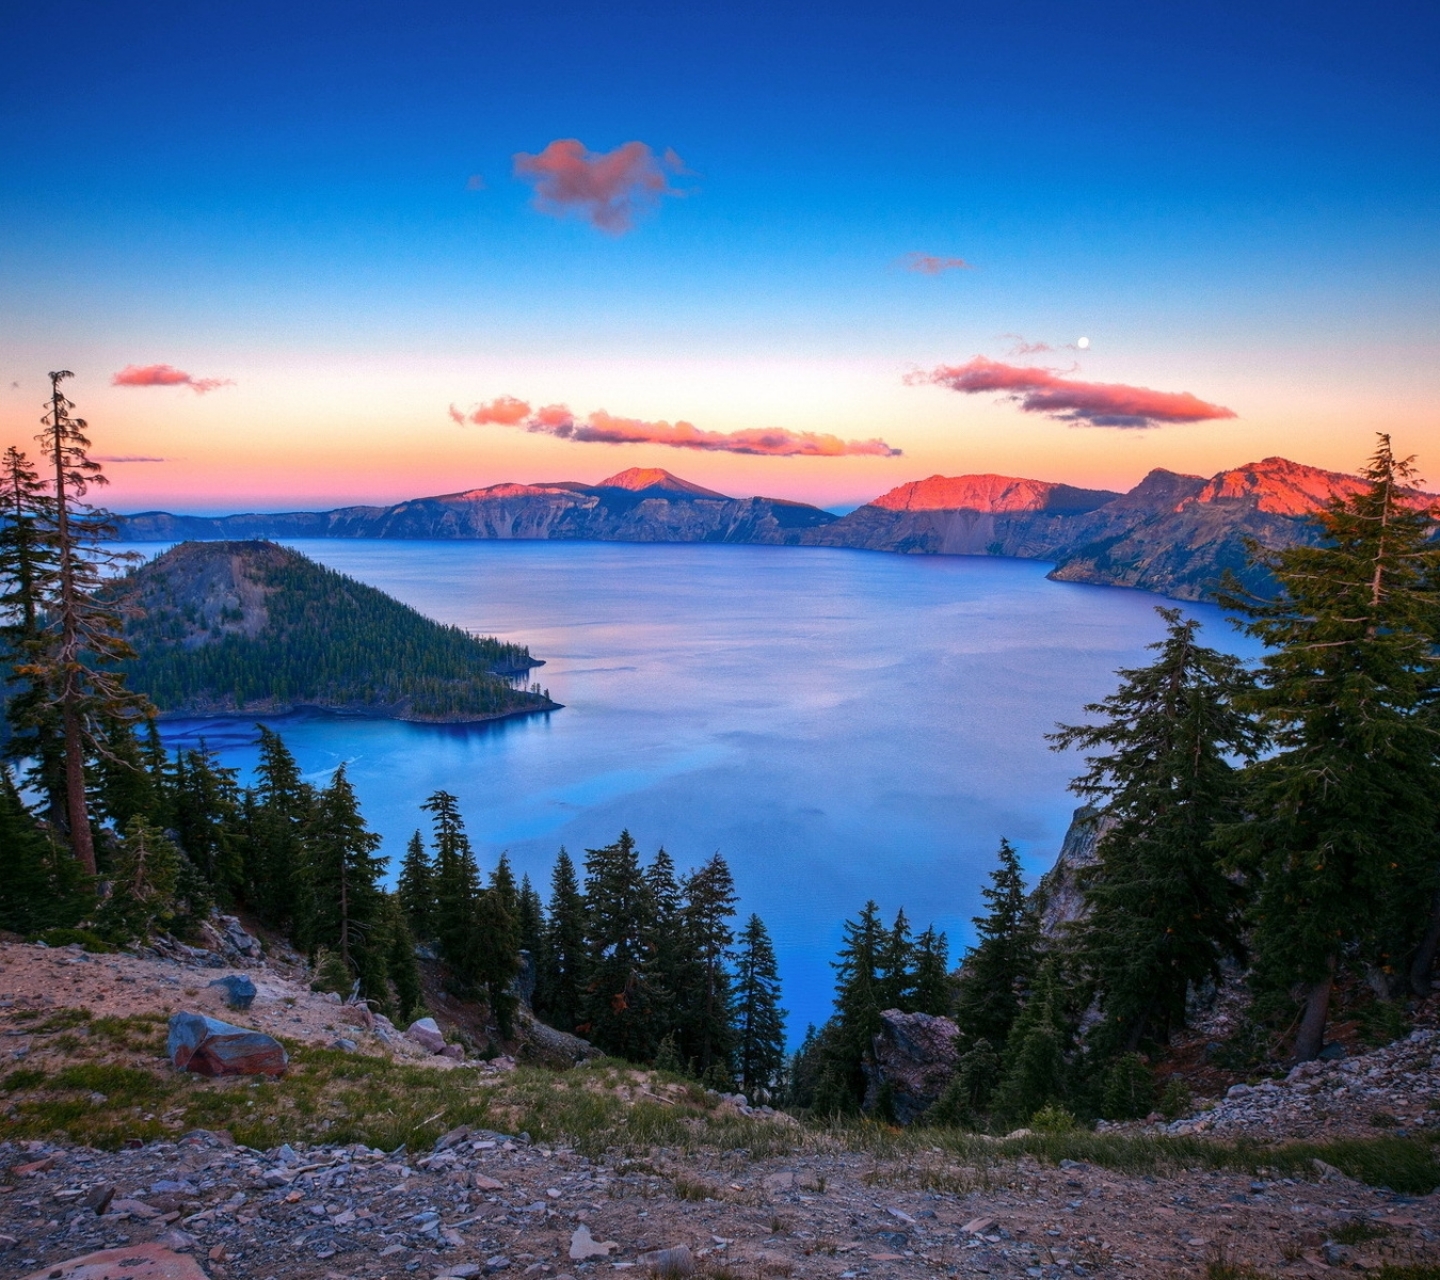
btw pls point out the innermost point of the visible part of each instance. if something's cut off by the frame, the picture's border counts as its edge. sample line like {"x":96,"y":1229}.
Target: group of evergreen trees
{"x":1284,"y":820}
{"x":641,"y":961}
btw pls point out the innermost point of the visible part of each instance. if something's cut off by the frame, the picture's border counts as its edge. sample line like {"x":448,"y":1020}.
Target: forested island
{"x":253,"y":627}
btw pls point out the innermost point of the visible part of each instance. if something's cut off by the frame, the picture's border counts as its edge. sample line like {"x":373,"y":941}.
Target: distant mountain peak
{"x":990,"y":493}
{"x":1279,"y":486}
{"x":638,"y":478}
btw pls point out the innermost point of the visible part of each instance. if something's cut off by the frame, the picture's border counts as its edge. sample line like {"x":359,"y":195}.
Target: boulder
{"x":136,"y":1262}
{"x":426,"y":1033}
{"x":239,"y":990}
{"x":914,"y":1054}
{"x":214,"y":1048}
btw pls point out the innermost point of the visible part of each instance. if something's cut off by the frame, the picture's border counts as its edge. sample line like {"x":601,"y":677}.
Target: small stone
{"x":426,"y":1033}
{"x":583,"y":1245}
{"x":34,"y":1167}
{"x":99,"y":1198}
{"x":677,"y":1261}
{"x":239,"y":990}
{"x":481,"y":1182}
{"x":498,"y":1263}
{"x":978,"y":1226}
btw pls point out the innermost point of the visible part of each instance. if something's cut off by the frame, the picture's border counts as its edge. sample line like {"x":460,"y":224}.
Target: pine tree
{"x":759,"y":1019}
{"x":346,"y":908}
{"x":205,"y":806}
{"x":457,"y":894}
{"x":498,"y":935}
{"x":530,"y":927}
{"x":1034,"y":1071}
{"x":709,"y":907}
{"x":400,"y":963}
{"x":150,"y":892}
{"x":616,"y":1004}
{"x":82,"y":637}
{"x":997,"y":972}
{"x":417,"y":888}
{"x":933,"y":991}
{"x":1163,"y":914}
{"x":840,"y":1088}
{"x":41,"y":887}
{"x":126,"y":788}
{"x":1343,"y":833}
{"x":674,"y":972}
{"x":564,"y":974}
{"x":29,"y":565}
{"x":280,"y":812}
{"x":896,"y":979}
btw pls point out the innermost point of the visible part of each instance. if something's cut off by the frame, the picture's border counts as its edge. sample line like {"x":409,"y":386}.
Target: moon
{"x":1082,"y":343}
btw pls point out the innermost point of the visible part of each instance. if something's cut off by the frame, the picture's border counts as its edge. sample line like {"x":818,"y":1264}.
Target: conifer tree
{"x":346,"y":908}
{"x":457,"y":893}
{"x":674,"y":971}
{"x":29,"y":564}
{"x":154,"y":889}
{"x":933,"y":992}
{"x":759,"y":1019}
{"x":400,"y":963}
{"x":847,"y":1039}
{"x":280,"y":813}
{"x":497,"y":920}
{"x":563,"y":975}
{"x":416,"y":888}
{"x":1034,"y":1070}
{"x":997,"y":972}
{"x":709,"y":907}
{"x":1343,"y":833}
{"x":205,"y":807}
{"x":1163,"y":914}
{"x":617,"y":1003}
{"x":127,"y":789}
{"x":896,"y":976}
{"x":41,"y":887}
{"x":530,"y":925}
{"x":83,"y":638}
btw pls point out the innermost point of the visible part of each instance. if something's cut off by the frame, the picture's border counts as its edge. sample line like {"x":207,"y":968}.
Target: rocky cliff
{"x":1172,"y":534}
{"x":634,"y":506}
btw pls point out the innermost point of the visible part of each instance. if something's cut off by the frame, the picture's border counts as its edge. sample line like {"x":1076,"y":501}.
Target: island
{"x":250,"y":628}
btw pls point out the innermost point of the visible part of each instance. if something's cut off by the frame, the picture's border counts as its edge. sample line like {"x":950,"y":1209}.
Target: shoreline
{"x":351,"y":712}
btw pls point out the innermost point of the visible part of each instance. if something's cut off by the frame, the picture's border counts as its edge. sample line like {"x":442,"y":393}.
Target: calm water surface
{"x":841,"y":725}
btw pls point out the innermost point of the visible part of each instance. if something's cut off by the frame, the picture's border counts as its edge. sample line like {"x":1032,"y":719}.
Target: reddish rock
{"x":136,"y":1262}
{"x":214,"y":1048}
{"x":34,"y":1167}
{"x":914,"y":1053}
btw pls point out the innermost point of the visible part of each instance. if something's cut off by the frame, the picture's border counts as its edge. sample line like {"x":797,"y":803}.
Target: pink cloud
{"x":1091,"y":404}
{"x":604,"y":428}
{"x":609,"y":188}
{"x":927,"y":264}
{"x":127,"y":457}
{"x":165,"y":375}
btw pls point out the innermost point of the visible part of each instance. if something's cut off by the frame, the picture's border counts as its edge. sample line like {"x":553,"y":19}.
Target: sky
{"x":309,"y":255}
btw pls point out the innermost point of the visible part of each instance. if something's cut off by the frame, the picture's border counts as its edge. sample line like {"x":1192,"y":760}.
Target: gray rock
{"x":426,"y":1033}
{"x":239,"y":990}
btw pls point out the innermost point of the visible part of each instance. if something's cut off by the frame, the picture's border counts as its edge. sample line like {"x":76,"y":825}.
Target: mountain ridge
{"x":1172,"y":533}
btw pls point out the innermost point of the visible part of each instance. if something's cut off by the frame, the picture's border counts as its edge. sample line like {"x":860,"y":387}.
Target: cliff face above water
{"x":250,"y":627}
{"x":1172,"y":534}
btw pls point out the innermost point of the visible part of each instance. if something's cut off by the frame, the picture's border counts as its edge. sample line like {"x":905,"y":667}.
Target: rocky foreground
{"x":376,"y":1156}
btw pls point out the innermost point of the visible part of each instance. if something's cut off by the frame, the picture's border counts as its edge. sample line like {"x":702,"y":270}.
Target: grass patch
{"x":1358,"y":1231}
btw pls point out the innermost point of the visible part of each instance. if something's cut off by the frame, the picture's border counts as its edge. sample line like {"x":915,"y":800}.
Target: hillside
{"x":232,"y":627}
{"x":1172,"y":534}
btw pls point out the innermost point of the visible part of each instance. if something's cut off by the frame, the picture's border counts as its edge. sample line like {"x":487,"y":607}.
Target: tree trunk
{"x":1310,"y":1039}
{"x":82,"y":843}
{"x":1425,"y":956}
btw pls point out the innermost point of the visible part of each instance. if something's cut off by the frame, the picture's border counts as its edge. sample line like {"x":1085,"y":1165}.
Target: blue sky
{"x":1237,"y":201}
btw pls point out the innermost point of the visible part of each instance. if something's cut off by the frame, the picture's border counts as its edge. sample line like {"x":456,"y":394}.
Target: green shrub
{"x":1053,"y":1118}
{"x":1176,"y":1100}
{"x":1129,"y":1091}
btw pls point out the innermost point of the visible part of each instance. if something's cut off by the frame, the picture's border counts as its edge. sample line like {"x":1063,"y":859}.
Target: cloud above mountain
{"x":1086,"y":404}
{"x":609,"y":189}
{"x":601,"y":427}
{"x":928,"y":264}
{"x":166,"y":375}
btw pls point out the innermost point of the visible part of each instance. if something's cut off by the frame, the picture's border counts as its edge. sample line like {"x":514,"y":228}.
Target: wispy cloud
{"x":127,"y":457}
{"x":609,"y":189}
{"x":1090,"y":404}
{"x":165,"y":375}
{"x":604,"y":428}
{"x":928,"y":264}
{"x":1023,"y":348}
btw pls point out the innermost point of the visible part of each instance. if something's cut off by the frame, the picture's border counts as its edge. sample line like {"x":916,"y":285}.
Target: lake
{"x":840,"y":725}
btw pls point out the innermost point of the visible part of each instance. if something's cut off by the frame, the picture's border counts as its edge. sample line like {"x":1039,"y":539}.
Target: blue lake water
{"x":841,"y":725}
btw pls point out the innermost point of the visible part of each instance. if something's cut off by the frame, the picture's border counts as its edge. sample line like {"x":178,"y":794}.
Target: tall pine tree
{"x":707,"y":1029}
{"x":1163,"y":914}
{"x":845,"y":1042}
{"x":562,"y":977}
{"x":416,"y":889}
{"x":997,"y":972}
{"x":617,"y":1003}
{"x":1343,"y":833}
{"x":759,"y":1019}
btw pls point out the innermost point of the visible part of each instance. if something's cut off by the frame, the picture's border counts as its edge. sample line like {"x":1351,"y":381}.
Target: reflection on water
{"x":841,"y":725}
